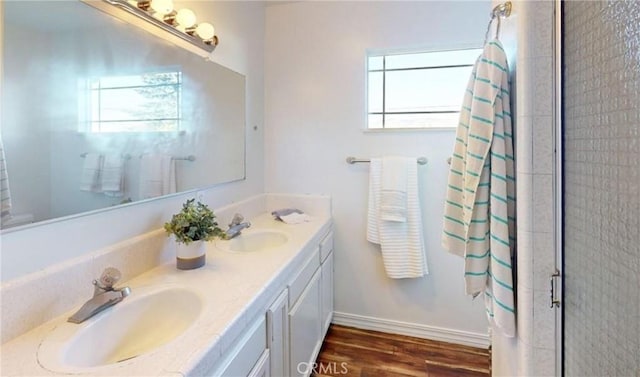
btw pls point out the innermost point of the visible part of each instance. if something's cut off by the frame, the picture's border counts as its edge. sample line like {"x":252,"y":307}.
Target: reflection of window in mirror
{"x":146,"y":102}
{"x":417,"y":89}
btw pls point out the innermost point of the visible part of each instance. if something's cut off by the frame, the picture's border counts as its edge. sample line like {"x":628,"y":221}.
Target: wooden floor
{"x":352,"y":352}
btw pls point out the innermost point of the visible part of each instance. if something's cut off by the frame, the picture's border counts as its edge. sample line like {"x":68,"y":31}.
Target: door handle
{"x":553,"y":300}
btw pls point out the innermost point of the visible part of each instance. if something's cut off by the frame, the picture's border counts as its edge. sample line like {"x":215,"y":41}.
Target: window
{"x":418,"y":90}
{"x":148,"y":102}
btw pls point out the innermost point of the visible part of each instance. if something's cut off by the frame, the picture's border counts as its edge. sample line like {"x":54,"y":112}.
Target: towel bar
{"x":185,"y":158}
{"x":182,"y":158}
{"x":128,"y":157}
{"x":352,"y":160}
{"x":125,"y":156}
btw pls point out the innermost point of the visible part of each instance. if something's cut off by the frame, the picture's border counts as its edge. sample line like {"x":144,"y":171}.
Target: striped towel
{"x":401,"y":243}
{"x":113,"y":176}
{"x":5,"y":193}
{"x":479,"y":220}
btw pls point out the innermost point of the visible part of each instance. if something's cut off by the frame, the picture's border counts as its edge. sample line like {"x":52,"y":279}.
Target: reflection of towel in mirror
{"x":5,"y":194}
{"x":113,"y":176}
{"x":157,"y":175}
{"x":91,"y":169}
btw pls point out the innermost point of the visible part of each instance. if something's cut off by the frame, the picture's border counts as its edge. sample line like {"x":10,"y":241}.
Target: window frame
{"x":406,"y":51}
{"x":87,"y":91}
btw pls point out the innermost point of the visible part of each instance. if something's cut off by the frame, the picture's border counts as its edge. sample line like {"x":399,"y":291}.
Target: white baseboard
{"x":411,"y":329}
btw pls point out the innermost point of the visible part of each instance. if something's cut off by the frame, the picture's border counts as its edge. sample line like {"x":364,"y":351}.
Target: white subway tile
{"x":542,"y":86}
{"x":544,"y":319}
{"x":524,"y":204}
{"x":542,"y":203}
{"x":525,"y":318}
{"x":543,"y":259}
{"x":524,"y":144}
{"x":525,"y":259}
{"x":544,"y":362}
{"x":542,"y":144}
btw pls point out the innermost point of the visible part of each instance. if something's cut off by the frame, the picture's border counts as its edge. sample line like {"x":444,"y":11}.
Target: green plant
{"x":193,"y":223}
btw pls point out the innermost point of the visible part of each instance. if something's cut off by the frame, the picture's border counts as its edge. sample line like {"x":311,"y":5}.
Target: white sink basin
{"x":142,"y":322}
{"x":255,"y":240}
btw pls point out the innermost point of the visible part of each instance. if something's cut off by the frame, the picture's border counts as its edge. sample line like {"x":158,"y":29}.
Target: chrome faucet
{"x":104,"y":296}
{"x":236,"y":226}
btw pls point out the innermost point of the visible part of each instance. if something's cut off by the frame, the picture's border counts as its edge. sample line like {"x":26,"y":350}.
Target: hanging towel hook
{"x":486,"y":34}
{"x":498,"y":12}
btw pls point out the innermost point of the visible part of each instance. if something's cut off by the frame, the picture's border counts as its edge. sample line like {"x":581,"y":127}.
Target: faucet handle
{"x":109,"y":277}
{"x":237,"y":219}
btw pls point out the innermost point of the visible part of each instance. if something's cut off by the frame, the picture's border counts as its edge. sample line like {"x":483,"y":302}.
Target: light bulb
{"x":186,"y":18}
{"x":205,"y":31}
{"x":162,"y":6}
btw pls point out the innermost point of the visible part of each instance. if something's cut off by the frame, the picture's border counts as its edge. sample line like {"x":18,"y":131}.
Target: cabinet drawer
{"x":299,"y":282}
{"x":326,"y":246}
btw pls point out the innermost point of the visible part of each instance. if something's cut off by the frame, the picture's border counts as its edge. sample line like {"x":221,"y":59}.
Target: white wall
{"x":315,"y":114}
{"x":240,"y":26}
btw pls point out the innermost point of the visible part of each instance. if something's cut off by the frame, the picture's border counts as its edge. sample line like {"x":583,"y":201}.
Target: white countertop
{"x":234,"y":286}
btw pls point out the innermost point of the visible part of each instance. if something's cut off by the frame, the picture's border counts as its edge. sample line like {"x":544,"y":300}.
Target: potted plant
{"x":191,"y":227}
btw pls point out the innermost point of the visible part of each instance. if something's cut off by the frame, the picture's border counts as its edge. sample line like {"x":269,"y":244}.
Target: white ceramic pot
{"x":191,"y":256}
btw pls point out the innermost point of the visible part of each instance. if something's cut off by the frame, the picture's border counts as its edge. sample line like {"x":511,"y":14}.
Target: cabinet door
{"x":304,"y":329}
{"x":327,"y":293}
{"x":245,"y":353}
{"x":261,"y":369}
{"x":278,"y":335}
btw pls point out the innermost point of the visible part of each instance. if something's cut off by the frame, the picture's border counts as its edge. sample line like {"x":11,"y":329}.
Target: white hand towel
{"x":157,"y":175}
{"x":393,"y":195}
{"x":295,"y":218}
{"x":402,"y":243}
{"x":113,"y":176}
{"x":91,"y":171}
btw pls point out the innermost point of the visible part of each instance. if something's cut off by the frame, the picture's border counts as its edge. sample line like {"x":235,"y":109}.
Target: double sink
{"x":149,"y":318}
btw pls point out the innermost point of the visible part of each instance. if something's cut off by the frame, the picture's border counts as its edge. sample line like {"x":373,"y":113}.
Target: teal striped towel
{"x":479,"y":219}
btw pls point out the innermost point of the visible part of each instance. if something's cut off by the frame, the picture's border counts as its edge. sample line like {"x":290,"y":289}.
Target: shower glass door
{"x":601,"y":180}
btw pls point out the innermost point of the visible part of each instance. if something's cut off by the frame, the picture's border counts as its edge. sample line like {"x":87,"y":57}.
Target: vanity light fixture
{"x":180,"y":23}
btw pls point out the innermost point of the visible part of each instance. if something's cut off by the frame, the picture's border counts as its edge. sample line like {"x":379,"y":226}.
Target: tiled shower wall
{"x":536,"y":256}
{"x":602,"y":188}
{"x":532,"y":353}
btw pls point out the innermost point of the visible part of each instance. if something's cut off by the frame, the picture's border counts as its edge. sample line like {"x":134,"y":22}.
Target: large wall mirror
{"x":98,"y":113}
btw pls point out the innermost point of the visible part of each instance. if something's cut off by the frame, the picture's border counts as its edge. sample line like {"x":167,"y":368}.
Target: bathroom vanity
{"x":295,"y":322}
{"x":258,"y":309}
